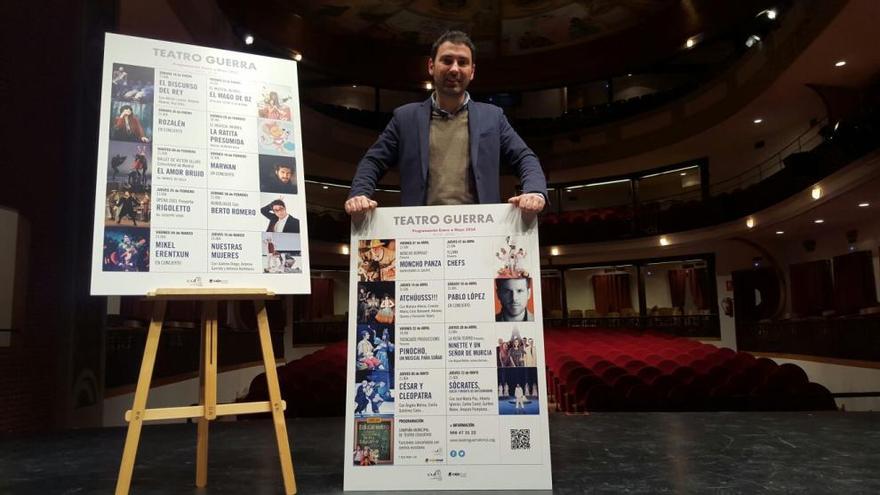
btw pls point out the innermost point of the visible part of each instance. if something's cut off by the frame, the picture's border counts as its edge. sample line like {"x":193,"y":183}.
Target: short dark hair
{"x":457,"y":38}
{"x":278,"y":202}
{"x":279,"y":166}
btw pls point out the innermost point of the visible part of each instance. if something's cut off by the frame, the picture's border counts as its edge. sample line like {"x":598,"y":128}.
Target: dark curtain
{"x":551,"y":293}
{"x":755,"y":294}
{"x":811,"y":287}
{"x":699,"y":280}
{"x":677,"y":287}
{"x":611,"y":292}
{"x":854,"y":287}
{"x":316,"y":305}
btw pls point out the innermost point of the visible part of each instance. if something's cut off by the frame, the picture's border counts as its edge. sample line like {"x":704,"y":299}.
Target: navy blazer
{"x":404,"y":144}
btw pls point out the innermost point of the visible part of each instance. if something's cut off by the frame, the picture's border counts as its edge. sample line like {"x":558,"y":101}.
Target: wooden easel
{"x":208,"y":409}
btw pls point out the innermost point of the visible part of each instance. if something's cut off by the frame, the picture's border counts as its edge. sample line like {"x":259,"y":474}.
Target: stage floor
{"x":602,"y":453}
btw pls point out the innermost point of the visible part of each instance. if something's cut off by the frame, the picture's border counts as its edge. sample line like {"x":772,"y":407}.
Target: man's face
{"x":279,"y":211}
{"x":284,"y":175}
{"x":514,"y":295}
{"x":452,"y":69}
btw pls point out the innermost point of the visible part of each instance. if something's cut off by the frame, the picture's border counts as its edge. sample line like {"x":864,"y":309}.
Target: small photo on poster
{"x":377,"y":260}
{"x":513,"y":300}
{"x":374,"y":352}
{"x":131,"y":83}
{"x":373,"y":441}
{"x":512,"y":257}
{"x":516,"y":346}
{"x":376,"y":303}
{"x":128,"y":166}
{"x":276,"y":137}
{"x":126,"y":249}
{"x":518,"y":391}
{"x":281,"y":253}
{"x":278,"y":174}
{"x":276,"y":209}
{"x":125,"y":207}
{"x":373,"y":394}
{"x":274,"y":102}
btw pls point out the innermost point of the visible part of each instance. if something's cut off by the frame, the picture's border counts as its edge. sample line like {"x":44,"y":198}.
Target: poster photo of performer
{"x":281,"y":253}
{"x":513,"y":300}
{"x":128,"y":165}
{"x":132,"y":83}
{"x":377,"y":260}
{"x":276,"y":210}
{"x":375,"y":304}
{"x":374,"y":370}
{"x":515,"y":346}
{"x":126,"y":249}
{"x":518,"y":391}
{"x":126,"y":207}
{"x":274,"y":102}
{"x":278,"y":174}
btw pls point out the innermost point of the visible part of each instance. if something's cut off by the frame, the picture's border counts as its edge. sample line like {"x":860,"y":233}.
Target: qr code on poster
{"x":521,"y":439}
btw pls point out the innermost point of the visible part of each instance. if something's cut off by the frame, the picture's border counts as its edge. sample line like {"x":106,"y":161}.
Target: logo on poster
{"x":435,"y":475}
{"x":197,"y":281}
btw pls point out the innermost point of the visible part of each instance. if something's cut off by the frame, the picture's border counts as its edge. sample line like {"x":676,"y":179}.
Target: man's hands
{"x":360,"y":204}
{"x":528,"y":202}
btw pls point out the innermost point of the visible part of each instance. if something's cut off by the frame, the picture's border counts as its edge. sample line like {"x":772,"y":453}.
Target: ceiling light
{"x":816,"y":193}
{"x":690,"y":43}
{"x":864,"y":205}
{"x":752,"y":40}
{"x":840,"y":63}
{"x":758,"y":120}
{"x":554,"y":251}
{"x":664,"y":241}
{"x":248,"y":40}
{"x":818,"y":220}
{"x":771,"y":14}
{"x":297,"y":56}
{"x":780,"y":232}
{"x":344,"y":249}
{"x":429,"y":86}
{"x":325,"y":187}
{"x":750,"y":222}
{"x":629,"y":74}
{"x":354,"y":85}
{"x":683,"y":174}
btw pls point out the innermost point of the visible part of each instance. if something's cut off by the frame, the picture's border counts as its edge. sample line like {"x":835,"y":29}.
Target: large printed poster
{"x":200,"y":171}
{"x":446,"y":383}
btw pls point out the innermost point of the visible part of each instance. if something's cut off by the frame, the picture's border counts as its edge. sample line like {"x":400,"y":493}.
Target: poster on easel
{"x":200,"y":178}
{"x":446,"y":366}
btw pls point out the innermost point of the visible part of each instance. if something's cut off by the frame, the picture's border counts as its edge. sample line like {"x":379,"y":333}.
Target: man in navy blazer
{"x":449,"y":149}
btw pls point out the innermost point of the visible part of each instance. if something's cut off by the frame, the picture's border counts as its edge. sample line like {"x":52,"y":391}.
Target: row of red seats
{"x":620,"y":370}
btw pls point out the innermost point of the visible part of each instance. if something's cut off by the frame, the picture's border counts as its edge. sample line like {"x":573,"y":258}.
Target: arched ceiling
{"x":498,"y":28}
{"x":521,"y":44}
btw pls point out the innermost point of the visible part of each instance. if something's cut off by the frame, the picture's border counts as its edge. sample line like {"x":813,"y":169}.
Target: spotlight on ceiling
{"x":818,"y":220}
{"x":664,"y":241}
{"x":429,"y":86}
{"x":750,"y":222}
{"x":344,"y":249}
{"x":840,"y":63}
{"x":752,"y":40}
{"x":758,"y":120}
{"x":554,"y":251}
{"x":864,"y":205}
{"x":816,"y":192}
{"x":325,"y":187}
{"x":780,"y":232}
{"x":690,"y":43}
{"x":248,"y":40}
{"x":297,"y":56}
{"x":771,"y":14}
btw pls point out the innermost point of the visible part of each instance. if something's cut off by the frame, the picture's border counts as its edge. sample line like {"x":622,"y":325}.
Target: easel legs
{"x":275,"y":399}
{"x":140,"y":400}
{"x":207,"y":388}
